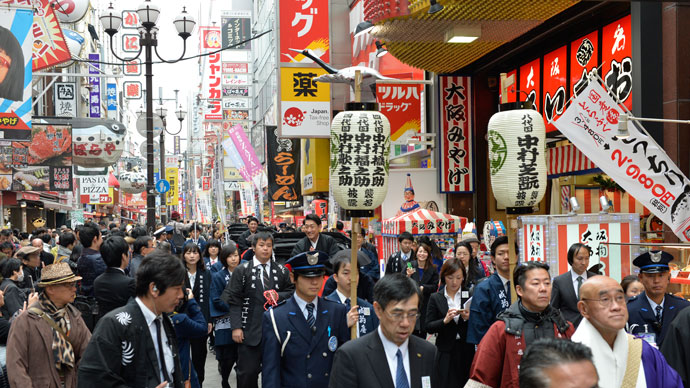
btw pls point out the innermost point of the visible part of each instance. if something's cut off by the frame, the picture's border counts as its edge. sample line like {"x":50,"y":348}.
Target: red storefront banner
{"x":206,"y":183}
{"x":210,"y":39}
{"x":530,"y":82}
{"x":401,"y":104}
{"x":584,"y":54}
{"x":455,"y":151}
{"x":49,"y":47}
{"x":555,"y":82}
{"x":304,"y":25}
{"x":616,"y":57}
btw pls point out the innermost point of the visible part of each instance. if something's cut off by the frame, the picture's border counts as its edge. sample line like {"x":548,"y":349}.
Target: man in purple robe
{"x":602,"y":305}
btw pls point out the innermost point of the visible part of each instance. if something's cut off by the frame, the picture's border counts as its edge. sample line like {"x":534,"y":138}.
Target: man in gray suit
{"x":566,"y":287}
{"x":388,"y":357}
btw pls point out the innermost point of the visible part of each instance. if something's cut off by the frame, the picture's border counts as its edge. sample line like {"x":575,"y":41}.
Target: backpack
{"x":178,"y":240}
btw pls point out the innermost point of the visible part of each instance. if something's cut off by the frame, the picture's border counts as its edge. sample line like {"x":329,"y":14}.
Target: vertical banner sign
{"x":65,"y":99}
{"x":305,"y":103}
{"x":584,"y":54}
{"x":636,"y":163}
{"x":534,"y":248}
{"x":111,"y":95}
{"x":176,"y":145}
{"x":210,"y":40}
{"x":49,"y":46}
{"x":173,"y":195}
{"x":555,"y":81}
{"x":246,"y":151}
{"x":95,"y":84}
{"x":530,"y":82}
{"x":402,"y":106}
{"x":283,"y":167}
{"x":303,"y":25}
{"x":206,"y":183}
{"x":235,"y":158}
{"x":616,"y":57}
{"x":15,"y":83}
{"x":455,"y":143}
{"x":236,"y":28}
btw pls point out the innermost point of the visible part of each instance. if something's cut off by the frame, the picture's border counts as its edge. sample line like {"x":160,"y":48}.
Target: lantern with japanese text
{"x":517,"y":157}
{"x":360,"y":145}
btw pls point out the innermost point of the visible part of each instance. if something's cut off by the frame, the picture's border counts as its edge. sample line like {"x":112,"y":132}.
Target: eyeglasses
{"x":398,"y":316}
{"x":605,"y":301}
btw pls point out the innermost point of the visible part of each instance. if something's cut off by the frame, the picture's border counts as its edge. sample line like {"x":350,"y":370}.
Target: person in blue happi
{"x":654,"y":308}
{"x":492,"y":295}
{"x":302,"y":334}
{"x":342,"y":269}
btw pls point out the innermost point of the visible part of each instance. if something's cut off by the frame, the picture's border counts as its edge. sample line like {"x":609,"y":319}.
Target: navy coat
{"x":219,"y":309}
{"x":640,"y":313}
{"x":368,"y":321}
{"x":307,"y":359}
{"x":188,"y":325}
{"x":488,"y":301}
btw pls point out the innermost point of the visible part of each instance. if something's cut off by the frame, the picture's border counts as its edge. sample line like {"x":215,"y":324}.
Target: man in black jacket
{"x":90,"y":263}
{"x":113,"y":288}
{"x":143,"y":245}
{"x":397,"y":263}
{"x":314,"y":241}
{"x":242,"y":242}
{"x":246,"y":295}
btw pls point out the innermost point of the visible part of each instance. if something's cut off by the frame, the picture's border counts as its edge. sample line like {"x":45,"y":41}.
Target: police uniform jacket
{"x":307,"y":358}
{"x":640,"y":313}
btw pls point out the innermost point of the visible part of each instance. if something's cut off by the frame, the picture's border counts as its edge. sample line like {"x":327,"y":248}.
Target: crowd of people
{"x":115,"y":306}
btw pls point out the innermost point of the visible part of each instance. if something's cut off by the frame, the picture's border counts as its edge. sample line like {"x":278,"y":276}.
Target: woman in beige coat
{"x":46,"y":341}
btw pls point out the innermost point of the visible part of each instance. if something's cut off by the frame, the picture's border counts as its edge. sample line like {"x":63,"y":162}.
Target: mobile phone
{"x":409,"y":265}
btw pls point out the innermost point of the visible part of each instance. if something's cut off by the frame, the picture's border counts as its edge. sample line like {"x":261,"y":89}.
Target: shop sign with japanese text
{"x":455,"y":142}
{"x":111,"y":95}
{"x":245,"y":150}
{"x":172,"y":197}
{"x":303,"y":24}
{"x":65,"y":99}
{"x":49,"y":45}
{"x":229,"y":67}
{"x":305,"y":103}
{"x":283,"y":167}
{"x":530,"y":83}
{"x":616,"y":57}
{"x":236,"y":103}
{"x":637,"y":163}
{"x":130,"y":43}
{"x":132,"y":90}
{"x":235,"y":91}
{"x":402,"y":106}
{"x":554,"y":85}
{"x":132,"y":67}
{"x":130,"y":19}
{"x":584,"y":54}
{"x":95,"y":83}
{"x":210,"y":41}
{"x":236,"y":29}
{"x":15,"y":93}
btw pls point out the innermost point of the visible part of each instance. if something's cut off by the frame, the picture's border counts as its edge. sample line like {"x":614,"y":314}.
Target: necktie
{"x":264,"y":274}
{"x":658,"y":313}
{"x":347,"y":304}
{"x":161,"y":355}
{"x":508,"y":290}
{"x":579,"y":284}
{"x":311,"y":320}
{"x":400,"y":375}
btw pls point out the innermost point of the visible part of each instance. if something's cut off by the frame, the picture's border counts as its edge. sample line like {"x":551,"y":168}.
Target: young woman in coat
{"x":189,"y":323}
{"x":447,"y":318}
{"x":424,"y":272}
{"x":226,"y":348}
{"x":199,"y":281}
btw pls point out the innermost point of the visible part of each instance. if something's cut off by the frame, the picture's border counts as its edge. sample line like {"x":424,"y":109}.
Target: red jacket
{"x":499,"y":353}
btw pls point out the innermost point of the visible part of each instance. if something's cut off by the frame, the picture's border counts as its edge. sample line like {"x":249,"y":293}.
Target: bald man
{"x":604,"y":312}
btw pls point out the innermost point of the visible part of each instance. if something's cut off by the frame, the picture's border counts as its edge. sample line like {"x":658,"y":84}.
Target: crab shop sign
{"x":93,"y":189}
{"x":360,"y":145}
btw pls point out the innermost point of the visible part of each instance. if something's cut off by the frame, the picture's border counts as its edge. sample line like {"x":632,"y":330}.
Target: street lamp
{"x":148,"y":39}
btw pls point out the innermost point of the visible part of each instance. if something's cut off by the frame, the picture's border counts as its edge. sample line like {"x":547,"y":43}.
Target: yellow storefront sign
{"x":172,"y":197}
{"x":297,"y":84}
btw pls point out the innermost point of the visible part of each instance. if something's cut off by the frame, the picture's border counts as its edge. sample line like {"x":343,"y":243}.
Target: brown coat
{"x":30,"y":361}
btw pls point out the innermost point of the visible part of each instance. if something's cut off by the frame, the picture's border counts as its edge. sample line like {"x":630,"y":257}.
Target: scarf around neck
{"x":63,"y":352}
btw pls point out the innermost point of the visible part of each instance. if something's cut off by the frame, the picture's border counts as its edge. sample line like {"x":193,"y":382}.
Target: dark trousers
{"x":199,"y":352}
{"x":248,"y":365}
{"x":227,"y":357}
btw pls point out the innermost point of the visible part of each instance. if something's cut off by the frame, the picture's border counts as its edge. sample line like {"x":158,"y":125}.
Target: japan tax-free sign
{"x":637,"y":163}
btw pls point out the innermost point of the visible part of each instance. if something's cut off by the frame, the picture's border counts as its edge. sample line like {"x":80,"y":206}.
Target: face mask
{"x":20,"y":278}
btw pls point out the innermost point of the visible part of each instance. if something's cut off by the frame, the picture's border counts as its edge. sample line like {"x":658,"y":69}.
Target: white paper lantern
{"x":517,"y":157}
{"x":97,"y":142}
{"x":360,"y":145}
{"x":132,"y":182}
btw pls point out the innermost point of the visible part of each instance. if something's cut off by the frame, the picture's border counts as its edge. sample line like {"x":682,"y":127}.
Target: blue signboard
{"x":162,"y":186}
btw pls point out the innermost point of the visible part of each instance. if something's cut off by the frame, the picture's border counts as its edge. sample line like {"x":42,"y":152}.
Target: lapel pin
{"x":419,"y":355}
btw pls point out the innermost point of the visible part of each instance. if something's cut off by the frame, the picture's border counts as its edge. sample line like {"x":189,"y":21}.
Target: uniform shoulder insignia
{"x":676,"y":297}
{"x":281,"y":303}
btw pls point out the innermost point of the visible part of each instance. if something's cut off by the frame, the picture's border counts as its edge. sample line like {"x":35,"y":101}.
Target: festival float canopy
{"x":423,"y":221}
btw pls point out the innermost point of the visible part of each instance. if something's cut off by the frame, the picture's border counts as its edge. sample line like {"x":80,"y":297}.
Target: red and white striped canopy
{"x":423,"y":221}
{"x":568,"y":160}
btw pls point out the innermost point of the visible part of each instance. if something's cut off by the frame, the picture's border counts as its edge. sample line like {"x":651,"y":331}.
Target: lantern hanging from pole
{"x":360,"y":146}
{"x":517,"y":157}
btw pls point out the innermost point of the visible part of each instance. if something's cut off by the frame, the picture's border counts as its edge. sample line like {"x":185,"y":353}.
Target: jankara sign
{"x":455,"y":142}
{"x":637,"y":163}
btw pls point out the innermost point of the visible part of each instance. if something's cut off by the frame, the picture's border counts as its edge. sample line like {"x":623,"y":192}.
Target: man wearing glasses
{"x":389,"y":356}
{"x":602,"y":305}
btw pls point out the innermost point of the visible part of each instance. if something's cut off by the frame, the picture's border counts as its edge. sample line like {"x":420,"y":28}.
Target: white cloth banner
{"x":637,"y":163}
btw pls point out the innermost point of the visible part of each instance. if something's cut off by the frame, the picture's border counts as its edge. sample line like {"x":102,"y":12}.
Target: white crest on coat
{"x":127,"y":353}
{"x":124,"y":318}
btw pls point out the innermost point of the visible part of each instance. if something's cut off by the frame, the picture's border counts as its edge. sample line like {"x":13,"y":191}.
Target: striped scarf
{"x":63,"y":352}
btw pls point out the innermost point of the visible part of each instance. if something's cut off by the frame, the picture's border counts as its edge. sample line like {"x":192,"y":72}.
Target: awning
{"x":56,"y":205}
{"x":588,"y":198}
{"x":568,"y":160}
{"x":423,"y":221}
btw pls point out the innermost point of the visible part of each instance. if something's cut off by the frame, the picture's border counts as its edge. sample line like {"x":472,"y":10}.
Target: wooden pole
{"x":512,"y":239}
{"x":354,"y":273}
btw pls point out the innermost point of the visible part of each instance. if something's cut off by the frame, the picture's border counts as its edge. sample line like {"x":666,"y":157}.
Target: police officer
{"x":654,"y":307}
{"x":302,"y":334}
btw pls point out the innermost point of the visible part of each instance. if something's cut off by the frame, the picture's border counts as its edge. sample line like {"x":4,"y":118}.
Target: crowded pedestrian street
{"x":344,"y":194}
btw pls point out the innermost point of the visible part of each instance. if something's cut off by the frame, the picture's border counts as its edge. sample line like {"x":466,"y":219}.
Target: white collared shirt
{"x":192,"y":279}
{"x":653,"y":304}
{"x":313,"y":243}
{"x":574,"y":281}
{"x":255,"y":263}
{"x":391,"y":349}
{"x":610,"y":363}
{"x":150,"y":317}
{"x":504,"y":281}
{"x":342,"y":297}
{"x":302,"y":304}
{"x":454,"y":302}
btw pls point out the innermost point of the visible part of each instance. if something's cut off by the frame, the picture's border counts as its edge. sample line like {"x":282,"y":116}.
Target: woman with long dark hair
{"x":423,"y":271}
{"x":11,"y":66}
{"x":210,"y":255}
{"x":199,"y":281}
{"x":473,"y":270}
{"x":226,"y":348}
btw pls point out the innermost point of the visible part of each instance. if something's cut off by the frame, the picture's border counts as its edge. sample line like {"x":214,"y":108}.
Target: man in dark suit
{"x":389,"y":357}
{"x":314,"y":241}
{"x":246,"y":295}
{"x":113,"y":288}
{"x":242,"y":242}
{"x":302,"y":334}
{"x":565,"y":291}
{"x":654,"y":308}
{"x":397,"y":263}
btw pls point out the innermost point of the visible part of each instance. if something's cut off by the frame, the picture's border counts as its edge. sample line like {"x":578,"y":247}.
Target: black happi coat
{"x":121,"y":352}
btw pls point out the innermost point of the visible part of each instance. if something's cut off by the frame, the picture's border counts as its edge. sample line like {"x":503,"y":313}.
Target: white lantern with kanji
{"x":517,"y":157}
{"x":360,"y":146}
